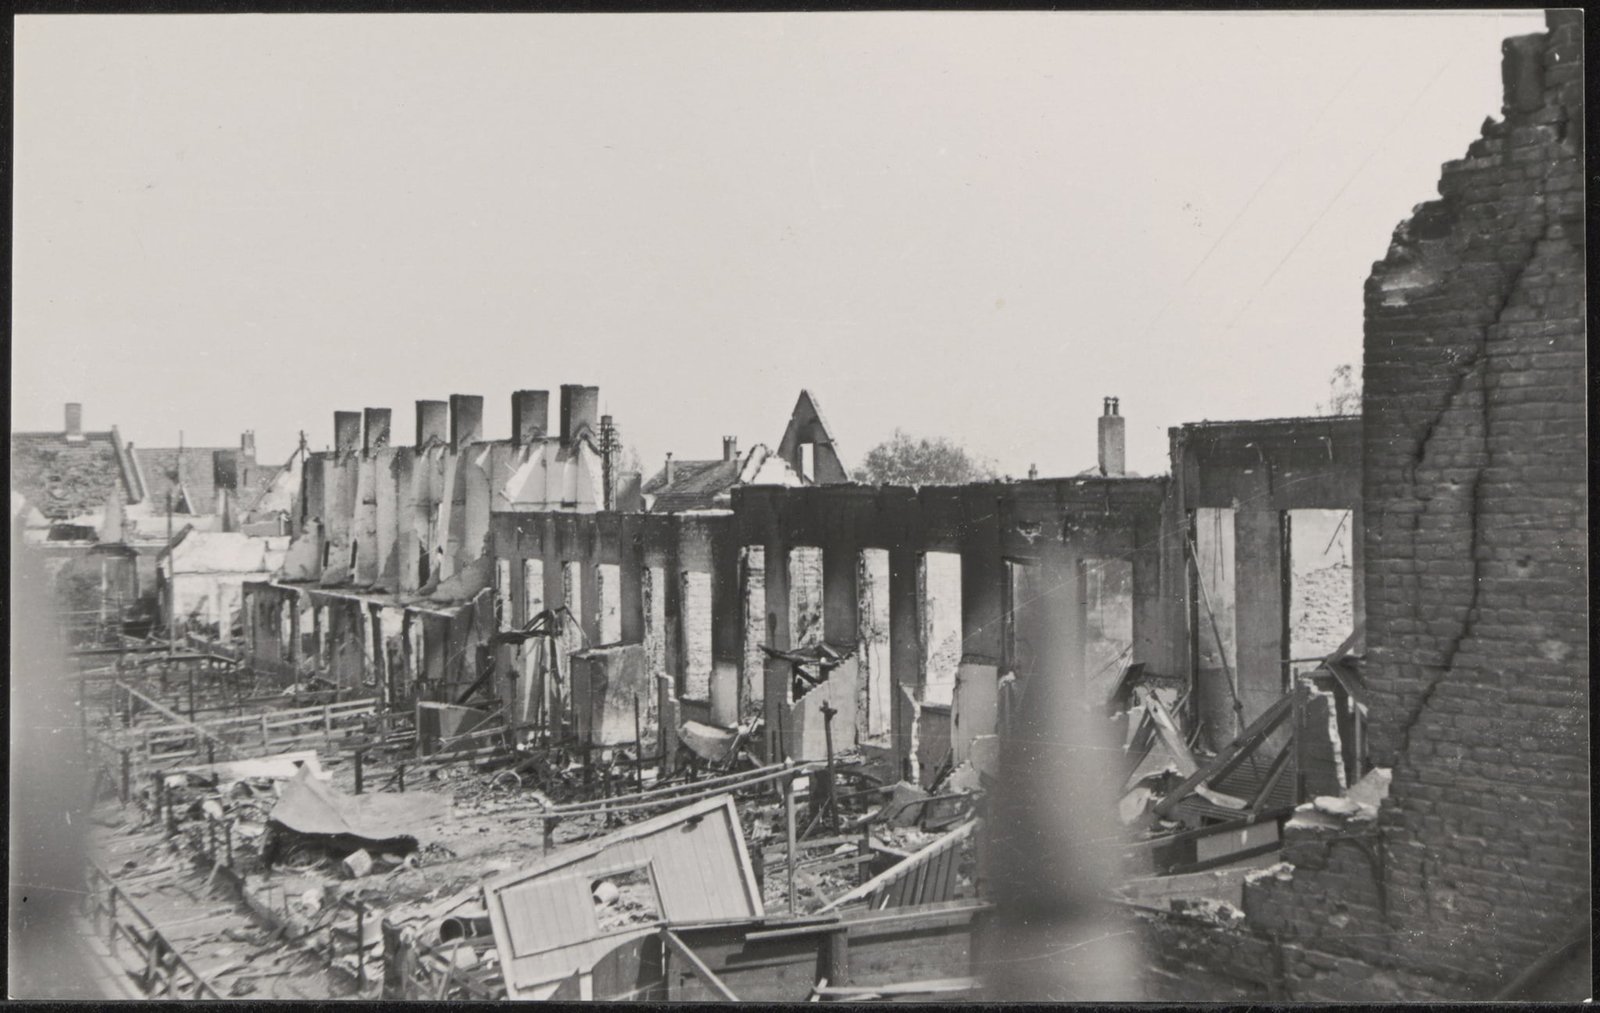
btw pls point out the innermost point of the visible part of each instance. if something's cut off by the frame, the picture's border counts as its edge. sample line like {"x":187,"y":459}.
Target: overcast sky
{"x":964,"y":224}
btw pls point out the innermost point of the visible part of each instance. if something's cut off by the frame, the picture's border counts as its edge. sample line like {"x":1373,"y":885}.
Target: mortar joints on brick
{"x":1477,"y":363}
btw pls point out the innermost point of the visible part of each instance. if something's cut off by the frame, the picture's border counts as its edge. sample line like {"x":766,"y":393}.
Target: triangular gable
{"x":806,"y":425}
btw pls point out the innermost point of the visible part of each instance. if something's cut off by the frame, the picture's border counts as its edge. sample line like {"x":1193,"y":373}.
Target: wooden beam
{"x":1235,"y":750}
{"x":1167,"y":727}
{"x":920,"y":858}
{"x":678,"y":946}
{"x":930,"y":987}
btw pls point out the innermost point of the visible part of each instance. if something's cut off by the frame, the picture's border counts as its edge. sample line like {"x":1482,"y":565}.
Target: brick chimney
{"x":466,"y":420}
{"x":730,"y":448}
{"x":375,"y":429}
{"x":74,"y":421}
{"x":530,"y":416}
{"x":580,"y":409}
{"x":247,"y":446}
{"x":670,"y":470}
{"x":433,"y":421}
{"x":1113,"y":440}
{"x":346,"y":432}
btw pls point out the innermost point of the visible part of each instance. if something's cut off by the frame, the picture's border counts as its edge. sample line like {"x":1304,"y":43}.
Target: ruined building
{"x":1411,"y":581}
{"x":1476,"y":563}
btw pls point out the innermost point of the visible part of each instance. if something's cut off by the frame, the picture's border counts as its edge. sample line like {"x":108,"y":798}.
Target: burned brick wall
{"x":1476,"y":563}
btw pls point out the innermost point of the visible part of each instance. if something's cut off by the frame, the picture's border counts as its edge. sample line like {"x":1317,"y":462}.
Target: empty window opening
{"x":532,"y":588}
{"x":572,"y":599}
{"x":502,"y":594}
{"x":353,"y":545}
{"x":309,"y":644}
{"x":1321,"y":585}
{"x":285,"y":632}
{"x":1213,"y":652}
{"x":696,"y":602}
{"x":1108,"y":623}
{"x":626,"y":900}
{"x":873,"y":610}
{"x":752,"y":674}
{"x":808,"y":461}
{"x":422,"y":565}
{"x":805,"y":596}
{"x":325,"y":637}
{"x":1214,"y":566}
{"x":416,"y":656}
{"x":1024,"y":613}
{"x":939,"y":593}
{"x":655,"y":620}
{"x":608,"y":581}
{"x":367,"y":626}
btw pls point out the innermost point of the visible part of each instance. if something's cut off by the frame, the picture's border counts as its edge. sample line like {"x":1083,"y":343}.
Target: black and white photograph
{"x":846,"y":506}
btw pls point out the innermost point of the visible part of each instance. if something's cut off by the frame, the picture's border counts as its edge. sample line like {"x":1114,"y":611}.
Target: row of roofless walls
{"x":363,"y":648}
{"x":925,"y":582}
{"x":1271,"y":555}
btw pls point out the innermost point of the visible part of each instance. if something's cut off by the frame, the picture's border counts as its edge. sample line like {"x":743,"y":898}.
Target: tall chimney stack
{"x":346,"y":432}
{"x":247,"y":446}
{"x":730,"y":448}
{"x":466,"y":420}
{"x":375,"y":430}
{"x":433,"y":422}
{"x":580,"y":409}
{"x":74,"y":420}
{"x":669,"y":467}
{"x":1113,"y":440}
{"x":530,"y":416}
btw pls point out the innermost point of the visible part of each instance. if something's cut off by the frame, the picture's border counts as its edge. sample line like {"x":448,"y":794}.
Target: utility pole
{"x":610,"y":442}
{"x":172,"y":591}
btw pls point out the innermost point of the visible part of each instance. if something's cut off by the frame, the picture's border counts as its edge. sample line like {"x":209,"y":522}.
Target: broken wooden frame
{"x":929,"y":875}
{"x":930,"y":950}
{"x":1241,"y":749}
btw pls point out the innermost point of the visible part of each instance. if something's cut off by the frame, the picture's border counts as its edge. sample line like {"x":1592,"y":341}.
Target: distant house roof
{"x":65,"y":477}
{"x":197,"y":476}
{"x":703,"y":485}
{"x":191,"y":470}
{"x":695,"y":485}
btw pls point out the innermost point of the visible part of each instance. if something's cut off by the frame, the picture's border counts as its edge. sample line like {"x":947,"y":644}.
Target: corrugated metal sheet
{"x":543,"y":916}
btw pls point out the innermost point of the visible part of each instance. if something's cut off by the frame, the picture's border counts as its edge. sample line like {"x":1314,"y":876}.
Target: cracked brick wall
{"x":1475,"y":465}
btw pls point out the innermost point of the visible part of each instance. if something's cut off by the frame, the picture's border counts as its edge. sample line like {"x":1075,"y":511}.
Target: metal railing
{"x":164,"y":973}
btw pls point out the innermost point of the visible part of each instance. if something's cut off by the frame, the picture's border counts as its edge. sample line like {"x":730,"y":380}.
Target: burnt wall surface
{"x":1476,"y":563}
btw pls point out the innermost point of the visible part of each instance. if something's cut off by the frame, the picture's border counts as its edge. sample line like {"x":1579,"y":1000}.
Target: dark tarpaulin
{"x":386,"y":821}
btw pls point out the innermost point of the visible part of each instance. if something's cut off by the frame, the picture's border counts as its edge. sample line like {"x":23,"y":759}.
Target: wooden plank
{"x":932,"y":986}
{"x":1167,"y":728}
{"x":1235,"y":856}
{"x":705,"y":973}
